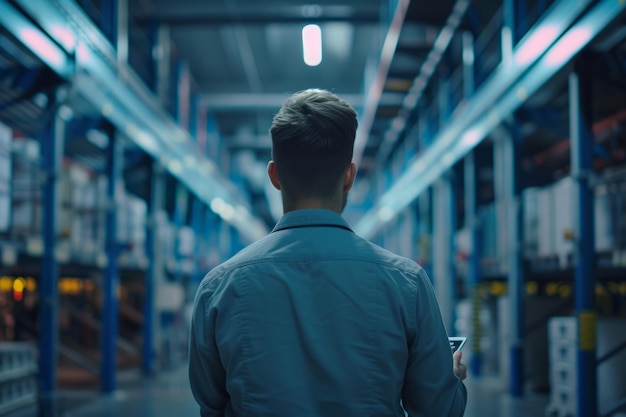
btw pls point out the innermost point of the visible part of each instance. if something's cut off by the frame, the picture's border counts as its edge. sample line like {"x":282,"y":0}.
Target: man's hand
{"x":460,"y":370}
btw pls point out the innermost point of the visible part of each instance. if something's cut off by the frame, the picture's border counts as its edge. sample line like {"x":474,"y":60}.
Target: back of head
{"x":312,"y":143}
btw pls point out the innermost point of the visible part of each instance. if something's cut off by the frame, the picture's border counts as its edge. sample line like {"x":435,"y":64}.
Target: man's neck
{"x":312,"y":204}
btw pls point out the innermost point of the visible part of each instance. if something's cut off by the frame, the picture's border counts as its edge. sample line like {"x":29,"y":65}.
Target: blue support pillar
{"x":468,"y":65}
{"x":213,"y":139}
{"x":445,"y":100}
{"x":182,"y":204}
{"x":209,"y":227}
{"x":108,"y":19}
{"x":515,"y":20}
{"x":425,"y":227}
{"x":582,"y":167}
{"x":154,"y":270}
{"x":521,"y":21}
{"x":180,"y":217}
{"x":197,"y":224}
{"x":194,"y":107}
{"x":122,"y":32}
{"x":52,"y":151}
{"x":509,"y":27}
{"x":183,"y":94}
{"x":471,"y":216}
{"x":153,"y":40}
{"x":516,"y":288}
{"x":147,"y":346}
{"x":110,"y":284}
{"x":444,"y":271}
{"x":473,"y":279}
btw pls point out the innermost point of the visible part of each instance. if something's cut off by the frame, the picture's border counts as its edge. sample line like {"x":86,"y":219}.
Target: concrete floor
{"x":168,"y":395}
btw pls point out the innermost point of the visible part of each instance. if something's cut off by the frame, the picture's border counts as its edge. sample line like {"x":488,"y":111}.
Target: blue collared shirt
{"x":314,"y":321}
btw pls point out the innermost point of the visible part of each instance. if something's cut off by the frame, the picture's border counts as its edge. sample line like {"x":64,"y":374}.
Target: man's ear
{"x":272,"y":173}
{"x":348,"y":177}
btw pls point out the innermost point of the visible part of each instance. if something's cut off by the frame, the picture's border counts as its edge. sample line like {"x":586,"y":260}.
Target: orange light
{"x":18,"y":289}
{"x":6,"y":284}
{"x":19,"y":284}
{"x":31,"y":284}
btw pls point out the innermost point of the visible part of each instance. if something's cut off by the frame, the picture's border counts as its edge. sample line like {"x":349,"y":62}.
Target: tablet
{"x":456,"y":343}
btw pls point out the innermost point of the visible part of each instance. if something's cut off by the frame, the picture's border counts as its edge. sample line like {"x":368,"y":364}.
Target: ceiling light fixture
{"x":312,"y":45}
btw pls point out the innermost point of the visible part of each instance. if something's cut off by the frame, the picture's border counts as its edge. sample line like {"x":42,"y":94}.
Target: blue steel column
{"x":515,"y":12}
{"x":473,"y":279}
{"x":445,"y":223}
{"x":110,"y":283}
{"x":424,"y":206}
{"x":155,"y":263}
{"x":108,"y":19}
{"x":516,"y":290}
{"x":580,"y":113}
{"x":197,"y":224}
{"x":471,"y":219}
{"x":52,"y":149}
{"x":180,"y":217}
{"x":443,"y":259}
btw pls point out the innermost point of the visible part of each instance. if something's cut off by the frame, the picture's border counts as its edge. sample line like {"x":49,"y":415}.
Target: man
{"x":313,"y":320}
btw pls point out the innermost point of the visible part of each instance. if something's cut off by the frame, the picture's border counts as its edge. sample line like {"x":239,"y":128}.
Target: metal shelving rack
{"x":90,"y":106}
{"x":450,"y":127}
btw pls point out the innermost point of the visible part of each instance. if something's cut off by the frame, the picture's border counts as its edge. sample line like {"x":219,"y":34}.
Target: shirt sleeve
{"x":430,"y":386}
{"x":207,"y":376}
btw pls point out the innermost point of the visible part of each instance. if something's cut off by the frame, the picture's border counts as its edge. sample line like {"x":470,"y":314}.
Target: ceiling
{"x":245,"y":58}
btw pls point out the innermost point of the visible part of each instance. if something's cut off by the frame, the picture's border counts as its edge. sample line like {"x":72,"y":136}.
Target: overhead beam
{"x":174,"y":14}
{"x":428,"y":68}
{"x":377,"y":83}
{"x":254,"y":101}
{"x":225,"y":20}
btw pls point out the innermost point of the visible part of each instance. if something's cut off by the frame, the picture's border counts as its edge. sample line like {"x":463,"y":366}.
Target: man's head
{"x":312,"y":145}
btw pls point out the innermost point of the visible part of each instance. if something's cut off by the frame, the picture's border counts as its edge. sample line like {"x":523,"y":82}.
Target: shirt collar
{"x":311,"y":218}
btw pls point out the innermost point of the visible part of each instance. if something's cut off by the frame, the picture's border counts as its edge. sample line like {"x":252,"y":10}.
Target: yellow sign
{"x":587,"y":330}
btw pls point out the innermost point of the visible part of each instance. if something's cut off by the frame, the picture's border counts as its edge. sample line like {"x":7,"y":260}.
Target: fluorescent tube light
{"x":312,"y":45}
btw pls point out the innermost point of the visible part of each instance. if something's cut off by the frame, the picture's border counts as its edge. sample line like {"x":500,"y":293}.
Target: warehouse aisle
{"x":169,"y":395}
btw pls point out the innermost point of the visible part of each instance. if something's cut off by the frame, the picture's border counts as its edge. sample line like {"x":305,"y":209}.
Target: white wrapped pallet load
{"x":138,"y":210}
{"x":164,"y":235}
{"x":562,"y":344}
{"x":123,"y":214}
{"x":545,"y":224}
{"x":79,"y":178}
{"x":101,"y":207}
{"x":26,"y":190}
{"x":530,"y":208}
{"x":79,"y":228}
{"x":186,"y":241}
{"x":64,"y":211}
{"x":6,"y":135}
{"x":603,"y":228}
{"x":463,"y":243}
{"x":564,"y":206}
